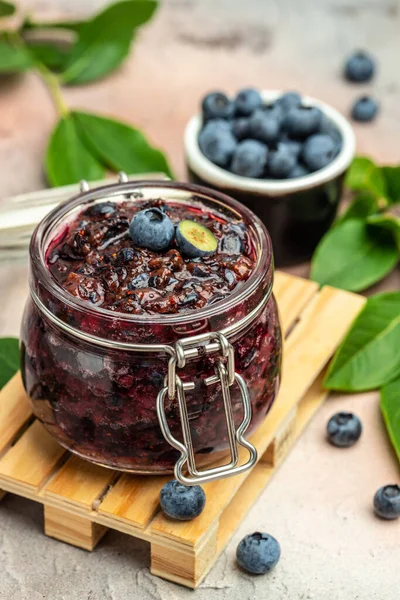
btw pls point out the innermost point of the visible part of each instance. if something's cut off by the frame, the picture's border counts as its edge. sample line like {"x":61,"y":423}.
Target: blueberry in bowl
{"x":285,"y":159}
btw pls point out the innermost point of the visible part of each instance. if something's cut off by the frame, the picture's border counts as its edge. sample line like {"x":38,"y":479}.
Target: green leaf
{"x":30,"y":24}
{"x":369,"y":356}
{"x":13,"y":57}
{"x":390,"y":407}
{"x":119,"y":146}
{"x":104,"y":41}
{"x":48,"y":54}
{"x":392,"y":178}
{"x":363,"y":205}
{"x":390,"y":221}
{"x":67,"y":159}
{"x":366,"y":175}
{"x":9,"y":359}
{"x":353,"y":256}
{"x":6,"y":9}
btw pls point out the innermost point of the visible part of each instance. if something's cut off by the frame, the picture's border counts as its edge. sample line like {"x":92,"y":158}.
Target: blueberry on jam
{"x":152,"y":229}
{"x":195,"y":239}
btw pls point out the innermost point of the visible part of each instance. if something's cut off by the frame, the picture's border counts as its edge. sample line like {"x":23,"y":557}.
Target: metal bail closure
{"x":225,"y":375}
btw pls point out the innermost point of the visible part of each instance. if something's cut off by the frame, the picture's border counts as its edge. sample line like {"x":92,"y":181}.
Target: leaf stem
{"x":53,"y":85}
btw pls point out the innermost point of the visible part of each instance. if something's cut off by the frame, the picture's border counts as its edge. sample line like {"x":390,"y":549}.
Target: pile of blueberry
{"x":281,"y":140}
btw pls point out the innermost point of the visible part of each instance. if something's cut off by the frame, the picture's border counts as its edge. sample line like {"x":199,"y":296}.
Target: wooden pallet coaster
{"x":81,"y":500}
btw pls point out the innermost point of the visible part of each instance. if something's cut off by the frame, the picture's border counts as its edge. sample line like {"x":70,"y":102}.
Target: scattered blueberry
{"x":319,"y":150}
{"x":359,"y":67}
{"x":281,"y":161}
{"x":364,"y":109}
{"x":264,"y":127}
{"x":217,"y":105}
{"x":302,"y":121}
{"x":250,"y":159}
{"x":140,"y":281}
{"x":194,"y":239}
{"x":289,"y":100}
{"x":258,"y":553}
{"x":217,"y":144}
{"x":247,"y":101}
{"x":241,"y":128}
{"x":152,"y":229}
{"x":102,"y":208}
{"x":387,"y":502}
{"x":344,"y":429}
{"x":297,"y":171}
{"x":182,"y":502}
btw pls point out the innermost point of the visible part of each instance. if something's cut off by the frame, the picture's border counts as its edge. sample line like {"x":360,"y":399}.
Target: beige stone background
{"x":319,"y":504}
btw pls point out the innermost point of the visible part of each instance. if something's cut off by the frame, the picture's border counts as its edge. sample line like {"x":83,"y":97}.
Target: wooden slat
{"x":31,"y":460}
{"x":292,"y":294}
{"x":15,"y":410}
{"x":313,"y":341}
{"x":79,"y":483}
{"x":133,"y":500}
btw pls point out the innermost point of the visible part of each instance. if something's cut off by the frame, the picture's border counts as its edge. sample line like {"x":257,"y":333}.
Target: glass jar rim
{"x":41,"y":239}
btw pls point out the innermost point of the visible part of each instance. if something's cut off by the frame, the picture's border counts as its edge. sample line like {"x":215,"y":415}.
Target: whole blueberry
{"x":241,"y":128}
{"x":217,"y":144}
{"x":293,"y":146}
{"x":258,"y":553}
{"x":289,"y":100}
{"x":302,"y":121}
{"x":152,"y":229}
{"x":274,"y":111}
{"x":330,"y":129}
{"x":219,"y":124}
{"x":264,"y":127}
{"x":297,"y":171}
{"x":344,"y":429}
{"x":364,"y":109}
{"x":387,"y":502}
{"x":247,"y":101}
{"x":318,"y":151}
{"x":250,"y":159}
{"x":359,"y":67}
{"x":281,"y":161}
{"x":217,"y":105}
{"x":182,"y":502}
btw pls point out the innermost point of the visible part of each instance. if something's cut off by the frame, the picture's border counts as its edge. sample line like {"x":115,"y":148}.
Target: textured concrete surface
{"x":319,"y":504}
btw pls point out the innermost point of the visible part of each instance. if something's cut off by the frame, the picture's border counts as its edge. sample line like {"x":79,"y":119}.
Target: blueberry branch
{"x":53,"y":85}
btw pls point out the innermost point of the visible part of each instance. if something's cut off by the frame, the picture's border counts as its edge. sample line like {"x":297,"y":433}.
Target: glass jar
{"x":94,"y":376}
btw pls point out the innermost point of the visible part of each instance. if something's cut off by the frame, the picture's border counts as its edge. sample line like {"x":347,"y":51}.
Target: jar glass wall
{"x":97,"y":396}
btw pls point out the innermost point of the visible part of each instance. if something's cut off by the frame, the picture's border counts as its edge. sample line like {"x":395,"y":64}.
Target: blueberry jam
{"x":99,"y":400}
{"x":95,"y":259}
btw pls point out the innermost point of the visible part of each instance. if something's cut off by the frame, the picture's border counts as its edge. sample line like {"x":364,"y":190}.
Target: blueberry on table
{"x":289,"y":100}
{"x":387,"y":502}
{"x":153,"y":229}
{"x":258,"y":553}
{"x":364,"y":109}
{"x":319,"y":150}
{"x":247,"y":101}
{"x":217,"y":144}
{"x":359,"y":67}
{"x":250,"y":159}
{"x":217,"y":105}
{"x":302,"y":121}
{"x":194,"y":239}
{"x":182,"y":502}
{"x":281,"y":162}
{"x":264,"y":127}
{"x":344,"y":429}
{"x":297,"y":171}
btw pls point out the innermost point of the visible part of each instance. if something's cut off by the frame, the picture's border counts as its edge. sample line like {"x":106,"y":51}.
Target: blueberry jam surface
{"x":95,"y":259}
{"x":98,"y":397}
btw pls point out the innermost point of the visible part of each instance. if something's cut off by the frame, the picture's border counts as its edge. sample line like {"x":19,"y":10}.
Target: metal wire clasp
{"x":225,"y":375}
